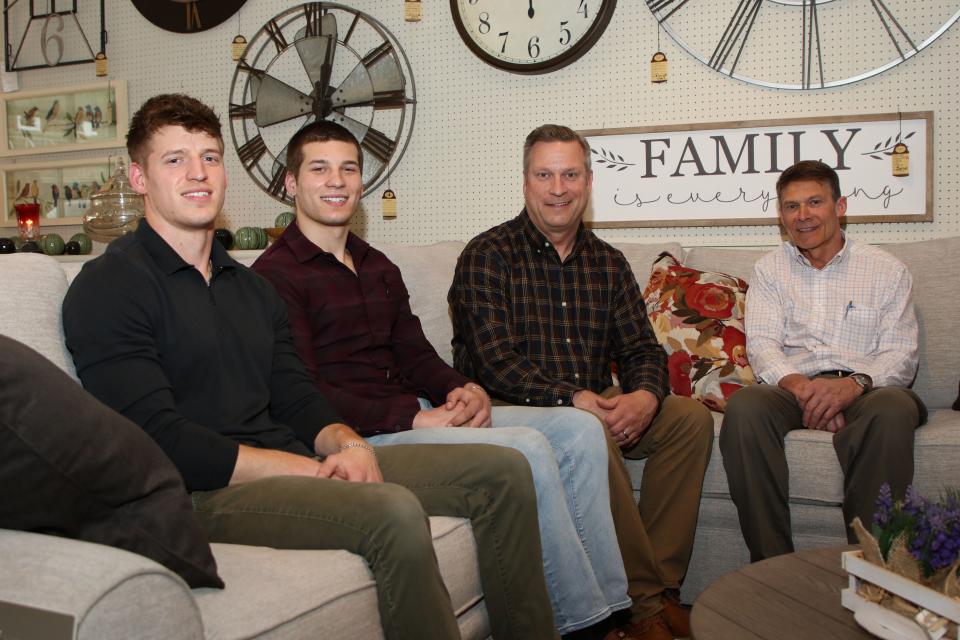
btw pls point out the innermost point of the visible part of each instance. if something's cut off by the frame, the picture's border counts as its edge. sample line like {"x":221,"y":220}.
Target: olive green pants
{"x":387,"y":525}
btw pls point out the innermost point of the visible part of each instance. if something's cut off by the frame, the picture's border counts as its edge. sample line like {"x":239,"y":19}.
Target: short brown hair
{"x":554,"y":133}
{"x":319,"y":131}
{"x":809,"y":170}
{"x":169,"y":109}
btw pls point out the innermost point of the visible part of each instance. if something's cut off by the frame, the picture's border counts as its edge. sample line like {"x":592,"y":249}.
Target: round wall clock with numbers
{"x":804,"y":44}
{"x":187,"y":16}
{"x":531,"y":36}
{"x":321,"y":61}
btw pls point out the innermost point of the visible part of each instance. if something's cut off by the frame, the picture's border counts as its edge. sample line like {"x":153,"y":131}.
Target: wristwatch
{"x":862,"y":379}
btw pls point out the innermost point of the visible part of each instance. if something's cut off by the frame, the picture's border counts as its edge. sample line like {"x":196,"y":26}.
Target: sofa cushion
{"x":298,"y":592}
{"x":33,"y":286}
{"x":737,"y":262}
{"x":935,"y":265}
{"x":642,"y":256}
{"x":698,"y":318}
{"x":427,"y":272}
{"x":73,"y":467}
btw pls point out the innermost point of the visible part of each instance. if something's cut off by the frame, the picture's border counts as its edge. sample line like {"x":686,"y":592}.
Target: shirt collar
{"x":801,"y":259}
{"x":169,"y":261}
{"x":539,"y":241}
{"x":304,"y":250}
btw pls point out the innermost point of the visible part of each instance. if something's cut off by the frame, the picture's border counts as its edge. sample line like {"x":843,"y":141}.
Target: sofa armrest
{"x":109,"y":593}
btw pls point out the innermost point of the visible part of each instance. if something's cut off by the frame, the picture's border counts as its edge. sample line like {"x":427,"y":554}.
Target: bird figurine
{"x":89,"y":113}
{"x":55,"y":192}
{"x":80,"y":117}
{"x":34,"y":189}
{"x":29,"y":114}
{"x":97,"y":117}
{"x":25,"y":191}
{"x":67,"y":192}
{"x":53,"y":111}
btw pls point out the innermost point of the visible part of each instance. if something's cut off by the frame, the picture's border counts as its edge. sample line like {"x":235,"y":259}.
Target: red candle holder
{"x":28,"y":220}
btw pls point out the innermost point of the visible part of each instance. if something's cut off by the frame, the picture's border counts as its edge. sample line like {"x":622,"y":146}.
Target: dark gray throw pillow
{"x":70,"y":466}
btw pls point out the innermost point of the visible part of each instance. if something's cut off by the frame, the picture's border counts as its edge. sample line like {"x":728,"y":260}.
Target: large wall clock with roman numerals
{"x":804,"y":44}
{"x":321,"y":60}
{"x":531,"y":36}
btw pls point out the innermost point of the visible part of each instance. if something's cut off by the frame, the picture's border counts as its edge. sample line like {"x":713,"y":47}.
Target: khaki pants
{"x":387,"y":525}
{"x":656,"y":541}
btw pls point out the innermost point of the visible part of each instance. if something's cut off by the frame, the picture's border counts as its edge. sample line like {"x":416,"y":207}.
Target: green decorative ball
{"x":247,"y":238}
{"x":52,"y":244}
{"x":262,"y":238}
{"x":284,"y":219}
{"x":30,"y":247}
{"x":86,"y":244}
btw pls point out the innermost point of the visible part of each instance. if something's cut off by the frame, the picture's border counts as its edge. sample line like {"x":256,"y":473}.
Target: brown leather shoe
{"x":676,"y":615}
{"x":653,"y":628}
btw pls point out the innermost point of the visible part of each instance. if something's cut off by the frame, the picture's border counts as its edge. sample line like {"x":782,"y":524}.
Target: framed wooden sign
{"x":725,"y":173}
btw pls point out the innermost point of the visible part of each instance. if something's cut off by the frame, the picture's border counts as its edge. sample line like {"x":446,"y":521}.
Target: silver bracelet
{"x":358,"y":445}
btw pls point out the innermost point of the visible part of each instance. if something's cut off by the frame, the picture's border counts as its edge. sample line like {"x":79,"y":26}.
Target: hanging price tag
{"x":411,"y":10}
{"x":100,"y":64}
{"x":238,"y":47}
{"x":658,"y":67}
{"x":389,"y":204}
{"x":900,"y":160}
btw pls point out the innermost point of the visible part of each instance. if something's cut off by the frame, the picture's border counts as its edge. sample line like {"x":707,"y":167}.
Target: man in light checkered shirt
{"x":832,"y":336}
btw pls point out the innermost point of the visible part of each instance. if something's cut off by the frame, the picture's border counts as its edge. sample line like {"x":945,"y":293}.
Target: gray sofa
{"x":300,"y":594}
{"x":89,"y":591}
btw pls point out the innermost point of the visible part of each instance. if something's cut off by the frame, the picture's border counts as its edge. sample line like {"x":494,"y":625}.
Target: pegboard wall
{"x":462,"y":170}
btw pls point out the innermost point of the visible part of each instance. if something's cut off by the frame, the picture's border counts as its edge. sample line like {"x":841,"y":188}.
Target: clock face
{"x":531,"y":36}
{"x":804,"y":44}
{"x":187,"y":16}
{"x":316,"y":61}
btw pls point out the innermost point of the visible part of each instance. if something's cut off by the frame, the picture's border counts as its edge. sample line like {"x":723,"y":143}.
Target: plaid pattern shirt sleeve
{"x":535,"y":330}
{"x":855,"y":314}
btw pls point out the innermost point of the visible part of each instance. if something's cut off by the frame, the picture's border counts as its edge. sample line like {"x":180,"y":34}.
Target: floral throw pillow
{"x":698,"y":318}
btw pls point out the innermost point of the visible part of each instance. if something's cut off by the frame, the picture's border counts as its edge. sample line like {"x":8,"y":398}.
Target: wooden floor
{"x":790,"y":597}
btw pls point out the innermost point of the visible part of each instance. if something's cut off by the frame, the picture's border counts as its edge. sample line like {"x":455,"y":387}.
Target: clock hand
{"x":316,"y":55}
{"x":530,"y":10}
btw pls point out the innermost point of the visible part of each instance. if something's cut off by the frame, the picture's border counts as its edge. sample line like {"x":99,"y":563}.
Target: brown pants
{"x":875,"y":447}
{"x":657,"y":540}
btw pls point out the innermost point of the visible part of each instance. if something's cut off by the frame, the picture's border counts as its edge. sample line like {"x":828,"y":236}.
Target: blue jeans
{"x":567,"y":453}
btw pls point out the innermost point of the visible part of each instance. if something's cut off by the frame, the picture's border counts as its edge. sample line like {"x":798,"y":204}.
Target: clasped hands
{"x":822,"y":400}
{"x":626,"y":417}
{"x":466,"y":406}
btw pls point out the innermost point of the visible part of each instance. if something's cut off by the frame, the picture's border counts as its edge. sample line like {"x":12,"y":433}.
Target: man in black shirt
{"x":171,"y":332}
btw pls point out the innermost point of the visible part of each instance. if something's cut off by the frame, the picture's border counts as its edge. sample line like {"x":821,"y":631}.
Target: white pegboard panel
{"x":462,"y":170}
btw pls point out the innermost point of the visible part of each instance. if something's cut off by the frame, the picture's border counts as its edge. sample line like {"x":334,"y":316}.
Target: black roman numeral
{"x":379,"y":145}
{"x":193,"y":17}
{"x":243,"y":110}
{"x":277,"y":187}
{"x":737,"y":31}
{"x":251,"y":152}
{"x":312,"y":13}
{"x":273,"y":30}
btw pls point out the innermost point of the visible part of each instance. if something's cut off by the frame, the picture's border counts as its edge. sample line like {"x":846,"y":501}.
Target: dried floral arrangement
{"x":917,"y":538}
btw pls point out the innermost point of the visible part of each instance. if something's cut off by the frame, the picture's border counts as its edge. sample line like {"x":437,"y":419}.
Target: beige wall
{"x":461,"y":173}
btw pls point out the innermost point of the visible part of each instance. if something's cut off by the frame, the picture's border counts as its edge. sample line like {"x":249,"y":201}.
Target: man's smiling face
{"x":182,"y":180}
{"x":811,"y":218}
{"x":556,"y":187}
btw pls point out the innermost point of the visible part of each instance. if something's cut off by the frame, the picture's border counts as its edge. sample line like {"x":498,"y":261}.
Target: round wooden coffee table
{"x":791,"y":597}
